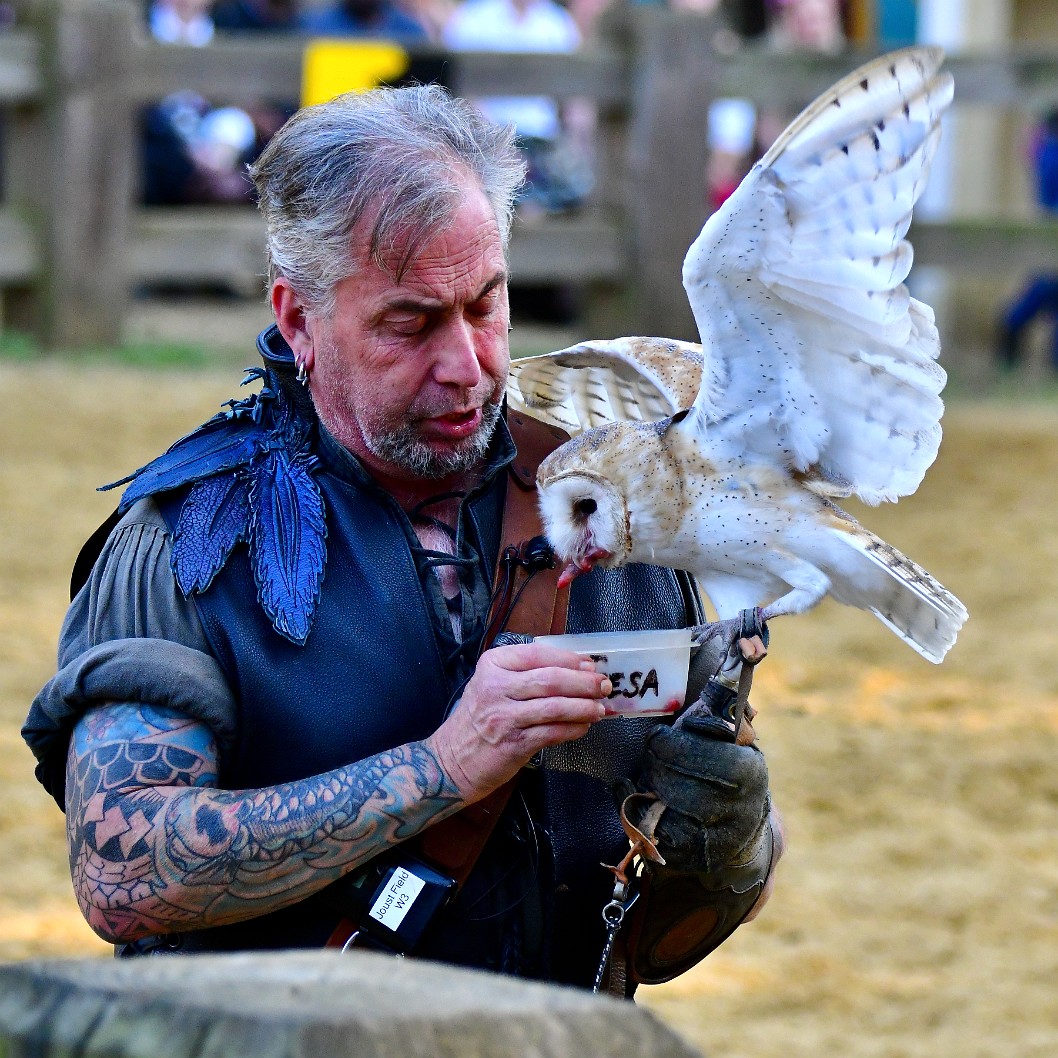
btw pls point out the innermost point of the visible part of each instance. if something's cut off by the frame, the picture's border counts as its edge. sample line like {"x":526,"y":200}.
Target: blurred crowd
{"x":738,"y":132}
{"x":195,"y":151}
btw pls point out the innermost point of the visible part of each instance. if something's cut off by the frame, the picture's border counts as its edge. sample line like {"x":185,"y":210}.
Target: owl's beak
{"x":583,"y":564}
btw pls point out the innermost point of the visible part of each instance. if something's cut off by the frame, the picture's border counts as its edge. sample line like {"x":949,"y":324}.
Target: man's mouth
{"x":582,"y":564}
{"x":454,"y":425}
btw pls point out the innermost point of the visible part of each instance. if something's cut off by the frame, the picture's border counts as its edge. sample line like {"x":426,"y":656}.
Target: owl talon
{"x":702,"y":634}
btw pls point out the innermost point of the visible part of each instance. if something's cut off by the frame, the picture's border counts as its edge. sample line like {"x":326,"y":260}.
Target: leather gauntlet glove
{"x":716,"y":795}
{"x":715,"y":834}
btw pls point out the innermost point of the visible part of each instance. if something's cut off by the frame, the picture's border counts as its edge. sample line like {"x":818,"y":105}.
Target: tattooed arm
{"x":156,"y":847}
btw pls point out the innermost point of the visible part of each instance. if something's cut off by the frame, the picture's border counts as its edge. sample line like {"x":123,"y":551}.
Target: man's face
{"x":409,"y":376}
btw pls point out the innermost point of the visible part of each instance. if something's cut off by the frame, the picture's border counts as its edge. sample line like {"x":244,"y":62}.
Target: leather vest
{"x":379,"y":668}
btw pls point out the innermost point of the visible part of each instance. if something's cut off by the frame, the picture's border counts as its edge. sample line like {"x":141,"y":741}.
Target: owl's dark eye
{"x":585,"y":507}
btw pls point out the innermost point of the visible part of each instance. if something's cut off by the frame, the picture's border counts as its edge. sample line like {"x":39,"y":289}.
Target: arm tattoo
{"x":156,"y":847}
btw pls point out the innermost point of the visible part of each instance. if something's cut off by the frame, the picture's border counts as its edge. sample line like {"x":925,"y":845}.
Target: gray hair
{"x":408,"y":150}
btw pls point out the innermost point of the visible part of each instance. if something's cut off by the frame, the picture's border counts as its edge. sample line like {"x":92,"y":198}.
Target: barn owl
{"x":816,"y":379}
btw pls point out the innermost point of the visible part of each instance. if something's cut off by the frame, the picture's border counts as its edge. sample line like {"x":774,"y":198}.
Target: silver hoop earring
{"x":303,"y":375}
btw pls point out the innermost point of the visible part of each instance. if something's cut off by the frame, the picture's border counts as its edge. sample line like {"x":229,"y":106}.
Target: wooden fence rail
{"x":73,"y":245}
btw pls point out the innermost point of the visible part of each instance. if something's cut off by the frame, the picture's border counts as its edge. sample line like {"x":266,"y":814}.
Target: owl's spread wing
{"x":596,"y":382}
{"x":823,"y":362}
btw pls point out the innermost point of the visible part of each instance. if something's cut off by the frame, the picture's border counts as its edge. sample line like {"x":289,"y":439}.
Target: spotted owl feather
{"x":797,"y":286}
{"x":595,"y":382}
{"x":817,"y":377}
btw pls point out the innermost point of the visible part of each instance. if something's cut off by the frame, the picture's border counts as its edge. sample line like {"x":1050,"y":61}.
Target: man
{"x":245,"y":754}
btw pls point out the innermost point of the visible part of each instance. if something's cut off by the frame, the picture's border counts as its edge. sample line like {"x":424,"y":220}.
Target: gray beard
{"x":403,"y":448}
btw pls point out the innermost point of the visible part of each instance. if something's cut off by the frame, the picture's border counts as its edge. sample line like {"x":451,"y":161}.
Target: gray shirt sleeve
{"x":129,"y":636}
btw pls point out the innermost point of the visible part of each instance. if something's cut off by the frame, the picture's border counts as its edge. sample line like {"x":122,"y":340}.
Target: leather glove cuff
{"x":681,"y":917}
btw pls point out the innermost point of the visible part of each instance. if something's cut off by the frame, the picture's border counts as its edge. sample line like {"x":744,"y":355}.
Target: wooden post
{"x":610,"y":304}
{"x":667,"y":159}
{"x":71,"y":159}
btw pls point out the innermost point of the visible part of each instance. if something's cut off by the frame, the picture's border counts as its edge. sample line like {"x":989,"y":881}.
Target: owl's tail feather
{"x":876,"y":576}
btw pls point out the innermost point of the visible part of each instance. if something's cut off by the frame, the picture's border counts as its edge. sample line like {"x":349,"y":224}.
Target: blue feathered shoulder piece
{"x":250,"y":469}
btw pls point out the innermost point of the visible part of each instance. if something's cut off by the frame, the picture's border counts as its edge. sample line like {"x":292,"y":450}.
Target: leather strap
{"x":454,"y":844}
{"x":540,"y":605}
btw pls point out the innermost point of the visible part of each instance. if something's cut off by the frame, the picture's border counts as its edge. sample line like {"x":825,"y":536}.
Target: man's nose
{"x":456,"y":359}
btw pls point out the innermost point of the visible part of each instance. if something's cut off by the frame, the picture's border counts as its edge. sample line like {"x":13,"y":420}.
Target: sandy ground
{"x":917,"y":910}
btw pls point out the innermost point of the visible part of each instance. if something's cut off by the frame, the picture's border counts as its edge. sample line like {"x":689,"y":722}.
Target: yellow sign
{"x":331,"y":67}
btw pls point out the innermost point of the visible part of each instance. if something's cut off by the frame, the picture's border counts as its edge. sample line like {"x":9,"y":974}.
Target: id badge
{"x":404,"y":903}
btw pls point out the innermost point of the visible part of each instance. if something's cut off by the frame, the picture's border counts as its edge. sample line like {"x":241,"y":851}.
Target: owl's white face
{"x":586,"y":521}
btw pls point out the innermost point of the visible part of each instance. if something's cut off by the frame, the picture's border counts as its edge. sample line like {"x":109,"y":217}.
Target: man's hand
{"x":520,"y":699}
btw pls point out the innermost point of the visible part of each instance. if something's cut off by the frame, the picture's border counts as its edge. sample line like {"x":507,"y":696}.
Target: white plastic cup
{"x":648,"y":669}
